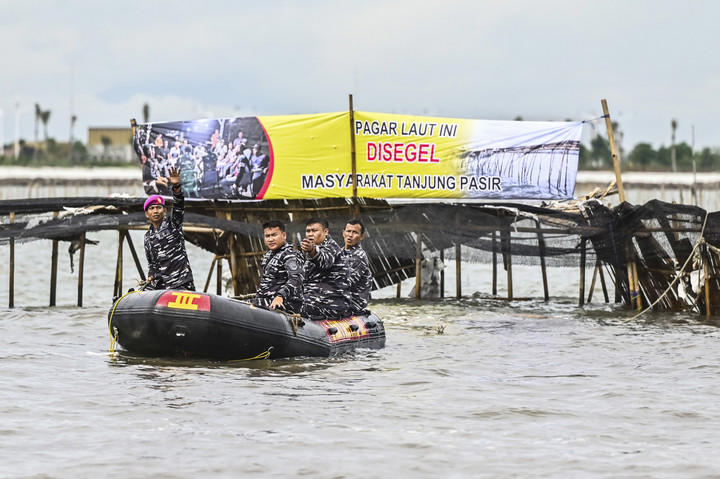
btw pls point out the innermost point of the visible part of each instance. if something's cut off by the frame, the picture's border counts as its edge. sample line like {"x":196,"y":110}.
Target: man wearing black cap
{"x":168,"y":265}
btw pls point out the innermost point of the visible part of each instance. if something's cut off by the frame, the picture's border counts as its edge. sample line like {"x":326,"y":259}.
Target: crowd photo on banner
{"x":218,"y":158}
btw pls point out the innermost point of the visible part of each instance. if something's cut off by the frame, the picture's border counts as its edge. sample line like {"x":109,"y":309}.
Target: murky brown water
{"x":509,"y":389}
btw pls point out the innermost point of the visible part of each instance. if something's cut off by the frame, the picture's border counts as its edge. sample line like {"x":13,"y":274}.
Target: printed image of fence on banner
{"x":401,"y":156}
{"x":539,"y":163}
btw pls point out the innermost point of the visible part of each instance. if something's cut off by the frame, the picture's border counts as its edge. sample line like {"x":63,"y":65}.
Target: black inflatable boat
{"x":197,"y":325}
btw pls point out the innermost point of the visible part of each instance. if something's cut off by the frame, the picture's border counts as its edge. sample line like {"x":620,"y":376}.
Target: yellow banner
{"x":311,"y":156}
{"x":397,"y":156}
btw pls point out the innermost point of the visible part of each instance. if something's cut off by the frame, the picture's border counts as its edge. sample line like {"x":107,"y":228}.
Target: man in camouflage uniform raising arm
{"x":281,"y":285}
{"x":168,"y":265}
{"x":357,"y":266}
{"x":326,"y":282}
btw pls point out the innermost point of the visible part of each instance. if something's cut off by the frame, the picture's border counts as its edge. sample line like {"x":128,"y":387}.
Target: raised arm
{"x":178,"y":212}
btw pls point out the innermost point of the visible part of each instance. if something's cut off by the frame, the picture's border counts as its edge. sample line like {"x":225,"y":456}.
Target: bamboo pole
{"x":508,"y":264}
{"x":418,"y":266}
{"x":399,"y":289}
{"x":613,"y":151}
{"x":81,"y":271}
{"x":543,"y":269}
{"x":218,"y":278}
{"x":117,"y":289}
{"x":134,"y":255}
{"x":53,"y":269}
{"x":353,"y":160}
{"x":581,"y":299}
{"x":592,"y":283}
{"x":602,"y":282}
{"x":638,"y":295}
{"x":706,"y":271}
{"x":442,"y":274}
{"x":631,"y":286}
{"x":11,"y":278}
{"x":210,"y":273}
{"x":458,"y":270}
{"x":233,"y":259}
{"x":494,"y":264}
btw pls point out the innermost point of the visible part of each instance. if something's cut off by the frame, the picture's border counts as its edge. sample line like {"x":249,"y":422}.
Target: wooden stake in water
{"x":218,"y":278}
{"x":458,"y":270}
{"x":494,"y":263}
{"x":81,"y":271}
{"x":581,"y":299}
{"x":442,"y":274}
{"x":418,"y":266}
{"x":211,"y":270}
{"x":117,"y":289}
{"x":136,"y":260}
{"x":11,"y":286}
{"x":541,"y":247}
{"x":53,"y":269}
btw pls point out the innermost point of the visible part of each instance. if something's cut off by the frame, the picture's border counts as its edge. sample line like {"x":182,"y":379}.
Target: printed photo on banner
{"x":218,"y":158}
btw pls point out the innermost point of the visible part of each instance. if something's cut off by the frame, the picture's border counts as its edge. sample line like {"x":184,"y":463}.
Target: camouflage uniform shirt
{"x":326,"y":283}
{"x":359,"y":277}
{"x":165,"y":251}
{"x":282,"y":276}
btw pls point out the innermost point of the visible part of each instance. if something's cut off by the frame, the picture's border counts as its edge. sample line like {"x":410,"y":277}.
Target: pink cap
{"x":154,"y":200}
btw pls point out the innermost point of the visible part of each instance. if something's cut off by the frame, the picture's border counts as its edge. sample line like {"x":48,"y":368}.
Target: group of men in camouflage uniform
{"x":319,"y":281}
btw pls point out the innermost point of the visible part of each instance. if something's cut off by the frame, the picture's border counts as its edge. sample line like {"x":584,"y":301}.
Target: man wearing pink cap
{"x":168,"y":265}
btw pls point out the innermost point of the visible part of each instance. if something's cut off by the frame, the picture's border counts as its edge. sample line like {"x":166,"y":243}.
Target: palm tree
{"x":146,"y":112}
{"x":38,"y":114}
{"x":44,"y":117}
{"x":673,"y":125}
{"x":73,"y":119}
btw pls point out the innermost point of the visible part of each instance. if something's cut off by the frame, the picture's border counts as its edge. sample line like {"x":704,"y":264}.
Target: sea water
{"x":471,"y":387}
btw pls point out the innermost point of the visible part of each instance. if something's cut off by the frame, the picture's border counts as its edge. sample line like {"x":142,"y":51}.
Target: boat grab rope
{"x":113,"y":337}
{"x":263,"y":355}
{"x":295,"y":321}
{"x":680,"y":273}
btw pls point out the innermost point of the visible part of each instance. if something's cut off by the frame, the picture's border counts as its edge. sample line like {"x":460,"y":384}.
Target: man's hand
{"x":308,"y":246}
{"x":174,"y":176}
{"x":277,"y":302}
{"x":161,"y":181}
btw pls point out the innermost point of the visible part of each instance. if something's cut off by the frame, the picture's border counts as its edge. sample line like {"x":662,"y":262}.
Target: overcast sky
{"x":542,"y":60}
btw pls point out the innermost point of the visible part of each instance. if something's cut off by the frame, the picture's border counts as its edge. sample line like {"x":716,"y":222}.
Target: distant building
{"x":114,"y":143}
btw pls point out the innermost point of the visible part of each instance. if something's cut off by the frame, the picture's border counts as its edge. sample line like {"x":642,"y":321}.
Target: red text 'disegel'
{"x":401,"y":152}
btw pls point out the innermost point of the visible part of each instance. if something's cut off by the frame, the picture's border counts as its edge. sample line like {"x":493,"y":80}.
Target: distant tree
{"x":673,"y":161}
{"x":683,"y":155}
{"x":518,"y":118}
{"x":73,"y":119}
{"x":600,"y":155}
{"x":146,"y":112}
{"x":584,"y":158}
{"x":708,"y":159}
{"x":38,"y":114}
{"x":45,"y":117}
{"x":642,"y":156}
{"x":51,"y":146}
